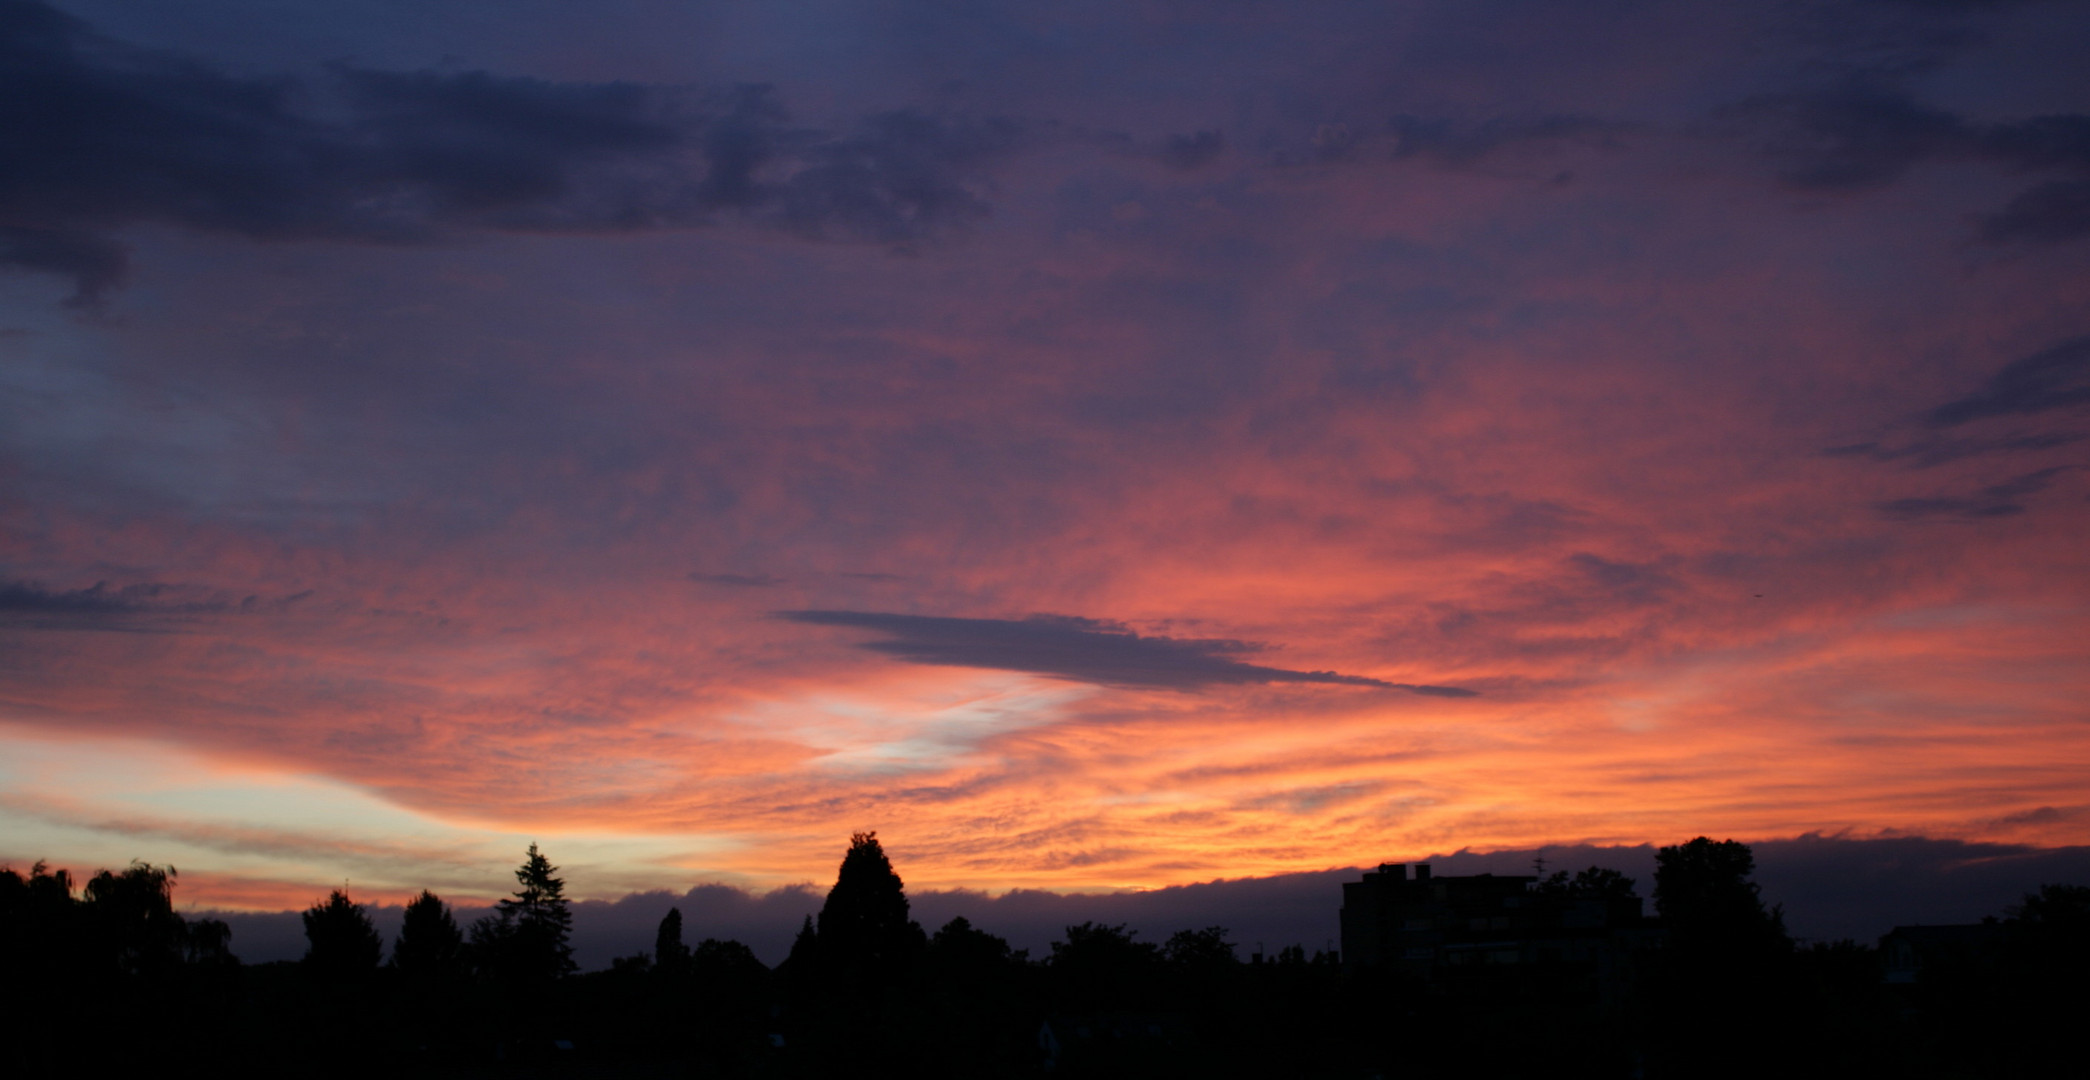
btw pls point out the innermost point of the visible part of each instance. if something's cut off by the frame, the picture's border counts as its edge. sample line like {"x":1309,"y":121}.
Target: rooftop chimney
{"x":1422,"y":871}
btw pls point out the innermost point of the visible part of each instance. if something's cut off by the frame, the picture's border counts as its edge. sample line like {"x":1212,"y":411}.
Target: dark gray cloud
{"x":101,"y":606}
{"x":100,"y":135}
{"x":1956,"y":6}
{"x":1933,"y":451}
{"x":2051,"y":380}
{"x":2054,"y":378}
{"x":2050,"y":212}
{"x":1193,"y":150}
{"x":1994,"y":501}
{"x":745,"y":581}
{"x":1865,"y":132}
{"x":1639,"y":583}
{"x":31,"y":598}
{"x":1448,"y":142}
{"x":94,"y":264}
{"x":1855,"y":135}
{"x":1463,"y":144}
{"x":1086,"y":650}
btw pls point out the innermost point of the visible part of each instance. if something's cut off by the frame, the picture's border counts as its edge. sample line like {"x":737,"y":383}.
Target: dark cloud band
{"x":1086,"y":650}
{"x":100,"y":135}
{"x":2053,"y":378}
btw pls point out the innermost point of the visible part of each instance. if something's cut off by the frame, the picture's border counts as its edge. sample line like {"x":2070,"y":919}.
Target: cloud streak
{"x":2054,"y":378}
{"x":1084,"y":650}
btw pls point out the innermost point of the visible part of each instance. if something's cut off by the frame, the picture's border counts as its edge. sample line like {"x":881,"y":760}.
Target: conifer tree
{"x":526,"y":937}
{"x":864,"y":926}
{"x":805,"y":951}
{"x":430,"y":946}
{"x":669,"y":953}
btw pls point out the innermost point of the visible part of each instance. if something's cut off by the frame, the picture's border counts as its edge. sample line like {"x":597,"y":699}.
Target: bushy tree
{"x":42,"y":890}
{"x":1094,"y":944}
{"x":132,"y":917}
{"x":342,"y":944}
{"x":2047,"y":950}
{"x":1727,"y":964}
{"x":1101,"y":966}
{"x":207,"y":945}
{"x":430,"y":946}
{"x":1709,"y":904}
{"x":53,"y":964}
{"x":1200,"y":950}
{"x":726,"y":961}
{"x":39,"y":919}
{"x":1595,"y":883}
{"x":864,"y":929}
{"x":960,"y":947}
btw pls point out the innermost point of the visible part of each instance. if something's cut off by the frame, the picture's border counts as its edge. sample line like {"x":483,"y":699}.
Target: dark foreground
{"x":1722,"y":992}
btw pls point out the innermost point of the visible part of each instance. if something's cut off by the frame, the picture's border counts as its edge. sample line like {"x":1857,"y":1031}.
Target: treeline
{"x":866,"y":991}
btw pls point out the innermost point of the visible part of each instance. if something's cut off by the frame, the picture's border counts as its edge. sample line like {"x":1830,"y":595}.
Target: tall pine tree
{"x":526,"y":937}
{"x":670,"y":955}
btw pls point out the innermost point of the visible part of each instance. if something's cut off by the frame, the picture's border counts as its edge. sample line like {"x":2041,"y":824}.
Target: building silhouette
{"x":1907,"y":951}
{"x":1495,"y":935}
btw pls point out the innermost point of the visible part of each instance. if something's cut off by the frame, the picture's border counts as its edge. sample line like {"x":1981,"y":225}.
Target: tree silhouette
{"x":726,"y":961}
{"x":526,"y":937}
{"x":207,"y":944}
{"x":2057,"y":920}
{"x":54,"y":966}
{"x":964,"y":950}
{"x":2046,"y":949}
{"x":972,"y":1000}
{"x":1098,"y":945}
{"x":1726,"y":965}
{"x":805,"y":951}
{"x":429,"y":946}
{"x":1100,"y":966}
{"x":1708,"y":903}
{"x":133,"y":921}
{"x":670,"y":955}
{"x":43,"y":890}
{"x":863,"y":927}
{"x":40,"y":922}
{"x":1595,"y":883}
{"x":1200,"y":950}
{"x":343,"y":946}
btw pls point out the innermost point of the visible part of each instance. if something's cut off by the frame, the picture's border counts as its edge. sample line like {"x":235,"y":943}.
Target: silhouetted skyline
{"x":1496,"y":974}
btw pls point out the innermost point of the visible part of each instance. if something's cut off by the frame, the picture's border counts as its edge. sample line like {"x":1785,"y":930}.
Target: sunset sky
{"x":1095,"y":445}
